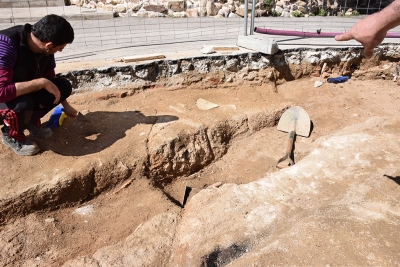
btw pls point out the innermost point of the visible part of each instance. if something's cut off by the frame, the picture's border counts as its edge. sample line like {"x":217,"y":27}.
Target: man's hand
{"x":69,"y":110}
{"x":52,"y":89}
{"x":367,"y":33}
{"x":23,"y":88}
{"x":371,"y":31}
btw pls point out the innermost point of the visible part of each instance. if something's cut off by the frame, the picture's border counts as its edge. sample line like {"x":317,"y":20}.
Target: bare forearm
{"x":371,"y":31}
{"x":23,"y":88}
{"x":389,"y":17}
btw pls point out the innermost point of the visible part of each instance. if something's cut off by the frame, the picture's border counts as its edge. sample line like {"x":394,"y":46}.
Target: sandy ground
{"x":53,"y":237}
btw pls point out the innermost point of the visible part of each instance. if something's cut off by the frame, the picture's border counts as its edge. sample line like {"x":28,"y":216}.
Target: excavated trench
{"x":180,"y":156}
{"x":174,"y":154}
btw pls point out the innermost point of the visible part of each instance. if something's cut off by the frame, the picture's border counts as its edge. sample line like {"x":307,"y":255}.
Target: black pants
{"x":31,"y":107}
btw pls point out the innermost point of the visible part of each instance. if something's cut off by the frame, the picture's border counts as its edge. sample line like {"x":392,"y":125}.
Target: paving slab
{"x":260,"y":43}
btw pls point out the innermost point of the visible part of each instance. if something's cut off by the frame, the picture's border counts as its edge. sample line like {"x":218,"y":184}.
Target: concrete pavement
{"x":33,"y":14}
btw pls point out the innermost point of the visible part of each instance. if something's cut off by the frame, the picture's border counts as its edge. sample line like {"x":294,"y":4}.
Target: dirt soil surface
{"x":51,"y":237}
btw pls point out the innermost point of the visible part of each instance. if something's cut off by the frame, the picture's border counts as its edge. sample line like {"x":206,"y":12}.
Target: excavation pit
{"x":110,"y":184}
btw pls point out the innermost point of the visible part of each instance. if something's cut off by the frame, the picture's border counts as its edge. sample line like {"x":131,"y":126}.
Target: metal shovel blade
{"x":300,"y":116}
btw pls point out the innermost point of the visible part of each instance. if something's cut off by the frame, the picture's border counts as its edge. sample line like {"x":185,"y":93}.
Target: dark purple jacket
{"x":18,"y":63}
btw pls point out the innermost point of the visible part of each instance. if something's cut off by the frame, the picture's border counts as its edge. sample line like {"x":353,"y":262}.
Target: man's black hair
{"x":55,"y":29}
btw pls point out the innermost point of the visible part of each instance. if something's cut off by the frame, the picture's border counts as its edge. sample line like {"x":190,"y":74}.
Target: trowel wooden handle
{"x":287,"y":161}
{"x":292,"y":133}
{"x":290,"y":142}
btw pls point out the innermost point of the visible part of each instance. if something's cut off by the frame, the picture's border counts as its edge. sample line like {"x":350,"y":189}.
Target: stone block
{"x":211,"y":8}
{"x":258,"y":43}
{"x":120,"y":8}
{"x":177,"y":6}
{"x":155,"y":8}
{"x":192,"y":13}
{"x":240,"y":10}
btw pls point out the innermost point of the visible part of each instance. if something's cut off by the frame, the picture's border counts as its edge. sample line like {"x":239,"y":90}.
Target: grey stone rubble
{"x":232,"y":68}
{"x":221,"y":9}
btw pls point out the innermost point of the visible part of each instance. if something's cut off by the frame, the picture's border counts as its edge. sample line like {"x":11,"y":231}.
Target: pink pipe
{"x":312,"y":34}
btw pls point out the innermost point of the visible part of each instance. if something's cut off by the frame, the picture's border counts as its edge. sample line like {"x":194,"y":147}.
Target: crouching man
{"x":29,"y":88}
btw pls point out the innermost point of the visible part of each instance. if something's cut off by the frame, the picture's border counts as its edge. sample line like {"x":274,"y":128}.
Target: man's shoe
{"x":28,"y":148}
{"x":39,"y":132}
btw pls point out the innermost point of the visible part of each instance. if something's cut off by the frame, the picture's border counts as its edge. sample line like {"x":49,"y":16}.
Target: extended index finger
{"x":344,"y":37}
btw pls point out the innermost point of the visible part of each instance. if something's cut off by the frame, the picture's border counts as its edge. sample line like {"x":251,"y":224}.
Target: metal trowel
{"x":294,"y":121}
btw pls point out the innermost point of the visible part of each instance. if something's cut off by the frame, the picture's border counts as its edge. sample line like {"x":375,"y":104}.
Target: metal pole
{"x":253,"y":11}
{"x":246,"y":7}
